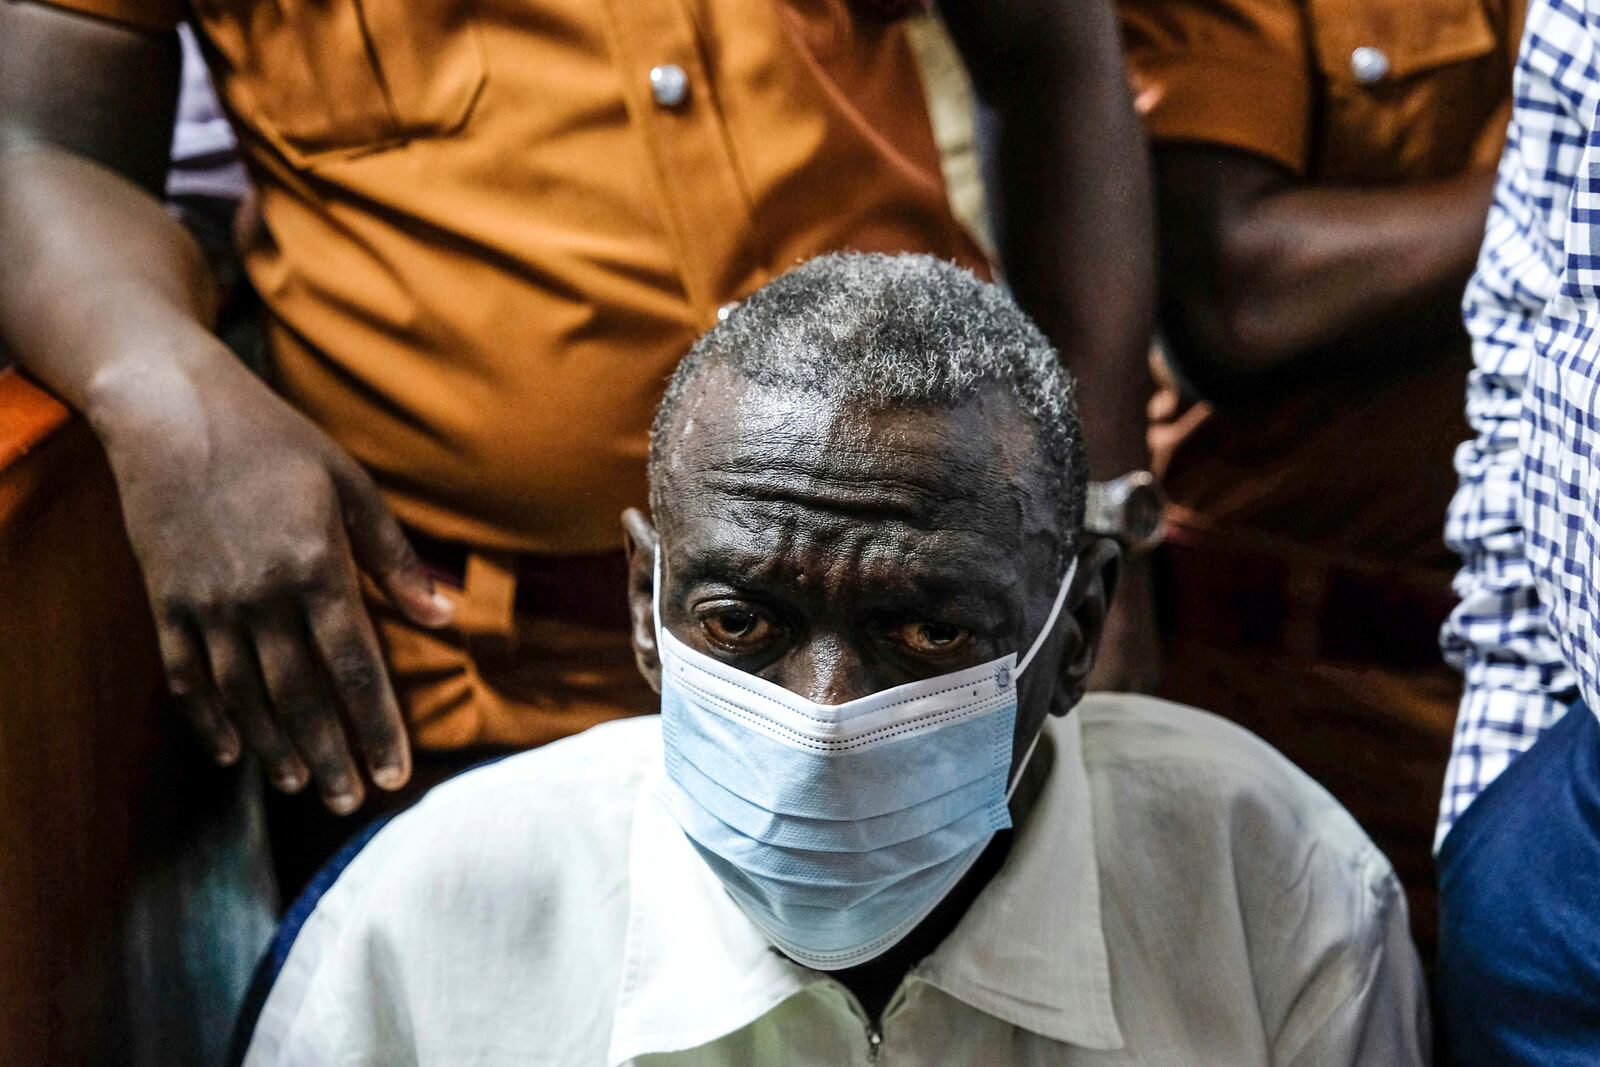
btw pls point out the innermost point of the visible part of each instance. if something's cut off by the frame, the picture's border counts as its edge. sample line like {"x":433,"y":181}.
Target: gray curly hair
{"x":894,"y":331}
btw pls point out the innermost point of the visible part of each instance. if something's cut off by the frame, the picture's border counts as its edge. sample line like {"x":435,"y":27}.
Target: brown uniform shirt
{"x":1339,"y":92}
{"x":487,"y":240}
{"x":491,"y":228}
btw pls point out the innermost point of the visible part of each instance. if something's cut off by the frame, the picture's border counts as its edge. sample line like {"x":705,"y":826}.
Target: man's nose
{"x":826,"y":669}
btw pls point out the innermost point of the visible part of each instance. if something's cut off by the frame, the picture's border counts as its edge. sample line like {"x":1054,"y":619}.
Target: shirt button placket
{"x":707,"y":212}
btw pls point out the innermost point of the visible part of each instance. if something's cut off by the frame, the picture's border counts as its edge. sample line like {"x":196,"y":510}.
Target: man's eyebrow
{"x":749,"y":568}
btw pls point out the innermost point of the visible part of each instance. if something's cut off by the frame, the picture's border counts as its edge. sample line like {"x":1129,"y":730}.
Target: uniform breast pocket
{"x":329,"y":79}
{"x":1408,"y":86}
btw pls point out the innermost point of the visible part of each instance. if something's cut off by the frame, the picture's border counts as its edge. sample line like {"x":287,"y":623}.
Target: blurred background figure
{"x":1323,"y":171}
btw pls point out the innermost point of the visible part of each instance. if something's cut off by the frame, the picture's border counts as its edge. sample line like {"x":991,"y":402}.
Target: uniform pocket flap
{"x":1374,"y":42}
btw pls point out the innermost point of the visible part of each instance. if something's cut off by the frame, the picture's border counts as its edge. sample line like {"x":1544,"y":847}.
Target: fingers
{"x":355,"y":667}
{"x":237,"y":678}
{"x":306,"y":710}
{"x":189,"y":682}
{"x":382,"y":550}
{"x":282,"y":683}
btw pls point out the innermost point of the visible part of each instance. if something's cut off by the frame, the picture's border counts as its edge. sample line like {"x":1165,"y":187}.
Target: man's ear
{"x":1099,"y":565}
{"x":640,"y":542}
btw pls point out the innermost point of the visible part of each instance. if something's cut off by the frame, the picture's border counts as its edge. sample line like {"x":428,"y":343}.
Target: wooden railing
{"x":79,"y":688}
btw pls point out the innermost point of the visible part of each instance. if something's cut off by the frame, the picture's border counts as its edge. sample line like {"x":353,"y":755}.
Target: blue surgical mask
{"x":837,"y":828}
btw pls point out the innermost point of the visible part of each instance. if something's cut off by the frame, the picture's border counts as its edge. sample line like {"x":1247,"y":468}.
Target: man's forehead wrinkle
{"x":809,"y":494}
{"x":972,"y":468}
{"x":846,"y":563}
{"x":827,"y":509}
{"x":918,"y":459}
{"x":816,"y":538}
{"x":802,"y":523}
{"x":764,"y":527}
{"x":916,"y":480}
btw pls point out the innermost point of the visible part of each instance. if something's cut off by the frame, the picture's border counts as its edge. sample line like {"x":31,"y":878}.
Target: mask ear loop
{"x":1038,"y":643}
{"x":655,"y":597}
{"x":1055,"y":613}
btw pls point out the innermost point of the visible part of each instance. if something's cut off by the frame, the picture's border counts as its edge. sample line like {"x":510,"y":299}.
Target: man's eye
{"x":736,"y":628}
{"x":930,"y":638}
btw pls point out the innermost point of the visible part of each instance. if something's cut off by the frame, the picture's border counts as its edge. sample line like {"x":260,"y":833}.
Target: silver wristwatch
{"x":1131,"y":509}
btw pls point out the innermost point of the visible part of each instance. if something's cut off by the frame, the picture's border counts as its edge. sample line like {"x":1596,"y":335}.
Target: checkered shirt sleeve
{"x":1501,"y":634}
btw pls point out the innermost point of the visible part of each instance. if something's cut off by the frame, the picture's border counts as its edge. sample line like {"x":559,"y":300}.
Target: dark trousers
{"x":1519,"y":930}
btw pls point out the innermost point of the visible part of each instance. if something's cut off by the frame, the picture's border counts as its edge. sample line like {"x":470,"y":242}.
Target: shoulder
{"x":1196,"y":767}
{"x":518,"y":870}
{"x":1218,"y":805}
{"x":1263,"y":859}
{"x":527,"y":816}
{"x":601,"y":764}
{"x":1126,"y":731}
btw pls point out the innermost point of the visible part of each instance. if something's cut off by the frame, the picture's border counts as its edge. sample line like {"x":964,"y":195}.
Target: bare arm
{"x":1264,"y":275}
{"x":1077,"y":240}
{"x":66,"y":218}
{"x":243,"y":515}
{"x":1074,"y":197}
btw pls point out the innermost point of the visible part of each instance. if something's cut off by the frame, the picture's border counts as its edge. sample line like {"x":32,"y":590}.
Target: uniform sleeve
{"x":154,"y":16}
{"x":1231,"y":72}
{"x":1374,"y":983}
{"x":1517,"y":683}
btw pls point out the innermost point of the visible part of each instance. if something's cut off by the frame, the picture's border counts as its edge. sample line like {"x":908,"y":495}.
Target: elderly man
{"x":865,"y":825}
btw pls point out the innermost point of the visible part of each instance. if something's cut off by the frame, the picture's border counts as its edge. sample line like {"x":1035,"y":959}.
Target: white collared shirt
{"x":1177,"y":894}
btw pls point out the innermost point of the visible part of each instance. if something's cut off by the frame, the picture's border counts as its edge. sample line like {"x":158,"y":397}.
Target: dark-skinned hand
{"x":249,"y":524}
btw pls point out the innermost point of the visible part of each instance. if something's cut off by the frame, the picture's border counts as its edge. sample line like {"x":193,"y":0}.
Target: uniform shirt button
{"x":1369,"y":64}
{"x":669,"y":84}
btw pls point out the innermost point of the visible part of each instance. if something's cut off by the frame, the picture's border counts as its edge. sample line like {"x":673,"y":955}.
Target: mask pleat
{"x":846,"y":835}
{"x":808,"y":904}
{"x":789,"y":779}
{"x":833,"y":868}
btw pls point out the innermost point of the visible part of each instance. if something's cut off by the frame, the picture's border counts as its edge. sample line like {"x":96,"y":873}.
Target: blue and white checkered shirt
{"x":1526,"y":516}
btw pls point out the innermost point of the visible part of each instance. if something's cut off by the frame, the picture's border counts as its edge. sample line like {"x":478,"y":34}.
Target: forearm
{"x":1310,"y":267}
{"x":261,"y":625}
{"x":1265,"y":276}
{"x":1076,"y":227}
{"x":96,"y":277}
{"x":99,"y":285}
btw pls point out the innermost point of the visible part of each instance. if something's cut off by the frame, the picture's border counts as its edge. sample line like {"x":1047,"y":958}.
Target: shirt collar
{"x":1030,"y":950}
{"x":694,"y":968}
